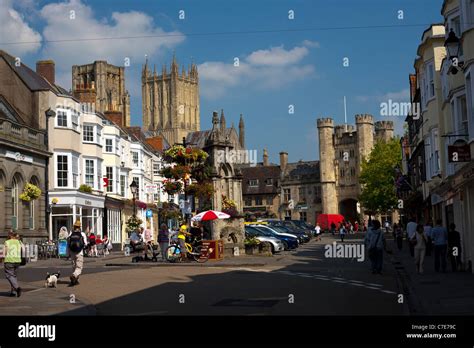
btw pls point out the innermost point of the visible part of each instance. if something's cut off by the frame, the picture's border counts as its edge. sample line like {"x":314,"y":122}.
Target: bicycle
{"x":193,"y":252}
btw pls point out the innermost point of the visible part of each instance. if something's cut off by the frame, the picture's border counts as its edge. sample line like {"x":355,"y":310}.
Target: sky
{"x":291,"y":55}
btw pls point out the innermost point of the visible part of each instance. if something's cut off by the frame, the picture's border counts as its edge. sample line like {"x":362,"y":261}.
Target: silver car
{"x":276,"y":244}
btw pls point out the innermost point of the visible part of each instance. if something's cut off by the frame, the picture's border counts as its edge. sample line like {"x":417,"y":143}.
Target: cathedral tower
{"x":103,"y":85}
{"x":170,"y":101}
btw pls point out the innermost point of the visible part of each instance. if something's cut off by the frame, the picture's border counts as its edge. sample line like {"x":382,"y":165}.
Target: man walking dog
{"x":76,"y":243}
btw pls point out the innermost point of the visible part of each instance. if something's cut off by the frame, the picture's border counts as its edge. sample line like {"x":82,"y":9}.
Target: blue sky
{"x":297,"y":62}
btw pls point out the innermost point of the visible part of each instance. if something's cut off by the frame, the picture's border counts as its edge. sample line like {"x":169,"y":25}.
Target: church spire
{"x":242,"y":132}
{"x":222,"y":121}
{"x":174,"y":65}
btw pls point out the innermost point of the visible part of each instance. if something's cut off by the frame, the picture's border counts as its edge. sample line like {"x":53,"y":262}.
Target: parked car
{"x":289,"y":228}
{"x":300,"y":236}
{"x":276,"y":244}
{"x":304,"y":226}
{"x":289,"y":242}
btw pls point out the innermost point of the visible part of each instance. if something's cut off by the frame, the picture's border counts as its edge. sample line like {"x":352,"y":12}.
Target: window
{"x":269,"y":181}
{"x":258,"y":201}
{"x":429,"y":81}
{"x":156,"y":168}
{"x":435,"y":152}
{"x":75,"y":171}
{"x":109,"y":146}
{"x":135,"y":158}
{"x":463,"y":120}
{"x":109,"y":172}
{"x":301,"y":193}
{"x":253,"y":182}
{"x":303,"y":216}
{"x":353,"y":171}
{"x":341,"y":172}
{"x":62,"y":170}
{"x":287,"y":195}
{"x":269,"y":200}
{"x":15,"y":204}
{"x":89,"y":172}
{"x":88,"y":133}
{"x":248,"y":202}
{"x":61,"y":118}
{"x":470,"y":101}
{"x":75,"y":119}
{"x":123,"y":185}
{"x":100,"y":182}
{"x":99,"y":134}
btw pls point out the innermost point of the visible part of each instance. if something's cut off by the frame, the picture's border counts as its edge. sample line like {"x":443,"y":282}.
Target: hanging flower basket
{"x":133,"y":223}
{"x":172,"y":187}
{"x":30,"y":193}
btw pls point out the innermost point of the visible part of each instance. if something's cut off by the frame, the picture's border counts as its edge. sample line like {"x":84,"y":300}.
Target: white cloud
{"x":14,"y":29}
{"x":277,"y":56}
{"x":69,"y":47}
{"x":400,"y":96}
{"x":310,"y":43}
{"x":261,"y":69}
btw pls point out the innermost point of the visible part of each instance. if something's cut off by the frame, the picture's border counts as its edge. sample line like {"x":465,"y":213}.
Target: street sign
{"x":149,"y":213}
{"x":151,"y":188}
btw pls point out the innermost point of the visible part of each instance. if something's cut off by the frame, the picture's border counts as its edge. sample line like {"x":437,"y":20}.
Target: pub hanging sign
{"x":459,"y":153}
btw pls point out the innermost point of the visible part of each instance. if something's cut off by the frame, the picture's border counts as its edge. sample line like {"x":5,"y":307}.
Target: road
{"x":303,"y":282}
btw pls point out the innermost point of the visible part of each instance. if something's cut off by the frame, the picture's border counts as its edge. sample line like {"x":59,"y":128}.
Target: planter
{"x":251,"y":249}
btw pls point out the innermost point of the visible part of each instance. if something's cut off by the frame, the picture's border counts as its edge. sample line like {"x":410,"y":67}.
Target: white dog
{"x":51,"y":280}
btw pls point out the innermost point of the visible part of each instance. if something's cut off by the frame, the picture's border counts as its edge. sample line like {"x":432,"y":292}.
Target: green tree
{"x":377,"y":177}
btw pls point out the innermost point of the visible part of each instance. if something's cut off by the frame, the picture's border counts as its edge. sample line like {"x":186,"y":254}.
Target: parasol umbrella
{"x":210,"y":215}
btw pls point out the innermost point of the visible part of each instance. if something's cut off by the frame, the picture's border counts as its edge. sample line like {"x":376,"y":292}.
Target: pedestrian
{"x":107,"y":245}
{"x":342,"y":232}
{"x":77,"y":241}
{"x":13,"y":250}
{"x":163,"y":240}
{"x":148,"y":239}
{"x":317,"y":231}
{"x":333,"y":228}
{"x":420,"y":248}
{"x":356,"y":227}
{"x":398,"y":231}
{"x":183,"y":232}
{"x":93,"y":245}
{"x":411,"y":230}
{"x":454,"y":247}
{"x":440,"y":241}
{"x":351,"y":228}
{"x":375,"y":245}
{"x":427,"y":228}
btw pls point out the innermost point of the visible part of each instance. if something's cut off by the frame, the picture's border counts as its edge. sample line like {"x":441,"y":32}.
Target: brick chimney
{"x":46,"y":69}
{"x":412,"y":86}
{"x":265,"y":157}
{"x":115,"y":117}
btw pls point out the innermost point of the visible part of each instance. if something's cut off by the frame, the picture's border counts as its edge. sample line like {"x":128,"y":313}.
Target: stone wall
{"x":232,"y":232}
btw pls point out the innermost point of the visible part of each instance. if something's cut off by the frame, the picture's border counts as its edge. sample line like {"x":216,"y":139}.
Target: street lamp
{"x":134,"y":189}
{"x":453,"y":46}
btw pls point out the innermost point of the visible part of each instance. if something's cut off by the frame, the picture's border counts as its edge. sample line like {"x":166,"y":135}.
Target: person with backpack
{"x":76,"y":243}
{"x":13,"y":249}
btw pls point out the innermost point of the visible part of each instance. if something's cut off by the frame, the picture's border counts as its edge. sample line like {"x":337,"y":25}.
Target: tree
{"x":377,"y":177}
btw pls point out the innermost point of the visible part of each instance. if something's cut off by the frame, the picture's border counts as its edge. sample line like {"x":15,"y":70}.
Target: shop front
{"x":112,"y":224}
{"x":68,"y":206}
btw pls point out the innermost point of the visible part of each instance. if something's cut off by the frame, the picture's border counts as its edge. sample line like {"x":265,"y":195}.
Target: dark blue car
{"x":288,"y":242}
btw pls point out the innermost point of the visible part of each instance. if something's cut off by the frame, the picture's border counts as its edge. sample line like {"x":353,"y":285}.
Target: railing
{"x":22,"y":134}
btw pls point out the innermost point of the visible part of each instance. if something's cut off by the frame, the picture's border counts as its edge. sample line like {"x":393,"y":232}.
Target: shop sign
{"x":459,"y":153}
{"x":151,"y":188}
{"x":149,"y":213}
{"x":19,"y":157}
{"x":87,"y":202}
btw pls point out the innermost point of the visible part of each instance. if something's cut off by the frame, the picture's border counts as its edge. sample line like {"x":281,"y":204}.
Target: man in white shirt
{"x":411,"y":230}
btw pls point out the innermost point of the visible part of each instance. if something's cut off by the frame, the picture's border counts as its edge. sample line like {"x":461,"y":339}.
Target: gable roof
{"x":303,"y":170}
{"x":261,"y":173}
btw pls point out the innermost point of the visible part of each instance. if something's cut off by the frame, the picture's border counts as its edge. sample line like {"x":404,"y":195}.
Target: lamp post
{"x":134,"y":189}
{"x":453,"y":46}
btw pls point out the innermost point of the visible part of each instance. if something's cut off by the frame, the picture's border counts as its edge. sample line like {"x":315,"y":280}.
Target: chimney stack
{"x":46,"y":69}
{"x":283,"y":161}
{"x":265,"y":157}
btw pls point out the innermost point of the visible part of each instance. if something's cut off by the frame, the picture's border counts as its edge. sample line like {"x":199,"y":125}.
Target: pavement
{"x":301,"y":282}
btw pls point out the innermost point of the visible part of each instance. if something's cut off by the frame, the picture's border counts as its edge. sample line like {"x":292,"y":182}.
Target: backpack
{"x":76,"y":242}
